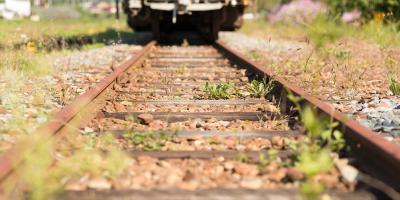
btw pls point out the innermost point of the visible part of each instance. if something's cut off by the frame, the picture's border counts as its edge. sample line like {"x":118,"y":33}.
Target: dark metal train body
{"x":206,"y":16}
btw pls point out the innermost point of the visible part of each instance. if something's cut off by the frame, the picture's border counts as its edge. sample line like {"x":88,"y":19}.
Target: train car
{"x":206,"y":16}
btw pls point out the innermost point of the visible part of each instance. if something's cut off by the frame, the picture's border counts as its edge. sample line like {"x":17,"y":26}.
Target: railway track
{"x":186,"y":145}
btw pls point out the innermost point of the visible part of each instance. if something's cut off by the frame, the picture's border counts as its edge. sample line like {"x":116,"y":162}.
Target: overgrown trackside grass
{"x":344,"y":56}
{"x":22,"y":31}
{"x":22,"y":41}
{"x":324,"y":30}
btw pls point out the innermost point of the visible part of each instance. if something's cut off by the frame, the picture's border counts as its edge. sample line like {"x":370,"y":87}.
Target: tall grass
{"x":325,"y":30}
{"x":13,"y":32}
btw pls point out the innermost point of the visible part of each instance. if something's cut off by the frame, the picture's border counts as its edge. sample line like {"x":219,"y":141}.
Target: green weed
{"x":219,"y":90}
{"x":148,"y":141}
{"x":45,"y":176}
{"x":92,"y":46}
{"x":254,"y":55}
{"x":324,"y":30}
{"x":377,"y":9}
{"x":16,"y":32}
{"x":242,"y":157}
{"x":19,"y":60}
{"x":260,"y":88}
{"x":263,"y":161}
{"x":182,"y":70}
{"x":394,"y":86}
{"x":385,"y":35}
{"x":313,"y":154}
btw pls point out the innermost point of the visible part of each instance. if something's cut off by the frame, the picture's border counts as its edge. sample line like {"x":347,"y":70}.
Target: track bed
{"x":186,"y":144}
{"x":191,"y":143}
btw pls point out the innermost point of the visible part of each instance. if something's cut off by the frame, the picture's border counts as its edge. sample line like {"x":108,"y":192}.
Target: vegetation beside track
{"x":99,"y":28}
{"x":347,"y":57}
{"x":27,"y":53}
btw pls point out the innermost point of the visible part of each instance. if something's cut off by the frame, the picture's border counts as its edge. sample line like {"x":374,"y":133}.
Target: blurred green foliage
{"x":262,"y":5}
{"x":370,"y":9}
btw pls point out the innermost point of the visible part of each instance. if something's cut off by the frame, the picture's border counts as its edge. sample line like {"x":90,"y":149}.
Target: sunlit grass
{"x":386,"y":35}
{"x":13,"y":32}
{"x":325,"y":30}
{"x":46,"y":169}
{"x":262,"y":28}
{"x":335,"y":54}
{"x":24,"y":59}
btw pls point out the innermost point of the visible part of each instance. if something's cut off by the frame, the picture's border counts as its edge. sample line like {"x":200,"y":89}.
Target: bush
{"x":378,"y":9}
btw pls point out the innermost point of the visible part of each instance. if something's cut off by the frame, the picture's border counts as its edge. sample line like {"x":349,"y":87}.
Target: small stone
{"x":126,"y":103}
{"x":189,"y":185}
{"x":189,"y":176}
{"x":38,"y":100}
{"x":224,"y":123}
{"x":244,"y":79}
{"x":75,"y":186}
{"x":384,"y":105}
{"x":173,"y":178}
{"x":240,"y":147}
{"x":246,"y":170}
{"x":277,"y":175}
{"x":31,"y":112}
{"x":3,"y":111}
{"x":217,"y":171}
{"x":277,"y":141}
{"x":119,"y":107}
{"x":229,"y":165}
{"x":230,"y":143}
{"x":100,"y":115}
{"x":156,"y":124}
{"x":198,"y":143}
{"x":80,"y":90}
{"x":389,"y":138}
{"x":122,"y":184}
{"x":273,"y":166}
{"x":99,"y":184}
{"x":348,"y":172}
{"x":294,"y":174}
{"x":88,"y":130}
{"x":235,"y":124}
{"x":146,"y":118}
{"x":251,"y":183}
{"x":211,"y":120}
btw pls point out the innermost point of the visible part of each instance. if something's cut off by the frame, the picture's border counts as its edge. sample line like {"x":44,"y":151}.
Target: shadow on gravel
{"x":108,"y":37}
{"x":183,"y":38}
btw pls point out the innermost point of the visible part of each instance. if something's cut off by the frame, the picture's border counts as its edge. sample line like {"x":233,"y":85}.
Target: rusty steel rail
{"x":381,"y":158}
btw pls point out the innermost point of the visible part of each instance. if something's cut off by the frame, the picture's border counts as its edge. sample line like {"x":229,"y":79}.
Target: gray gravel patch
{"x":246,"y":44}
{"x":379,"y":114}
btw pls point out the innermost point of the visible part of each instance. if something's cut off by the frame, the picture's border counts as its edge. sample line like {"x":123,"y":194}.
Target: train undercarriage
{"x":164,"y":16}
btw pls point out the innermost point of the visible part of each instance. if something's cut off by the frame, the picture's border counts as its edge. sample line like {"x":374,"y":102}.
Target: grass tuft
{"x":148,"y":141}
{"x":394,"y":86}
{"x":219,"y":90}
{"x":260,"y":88}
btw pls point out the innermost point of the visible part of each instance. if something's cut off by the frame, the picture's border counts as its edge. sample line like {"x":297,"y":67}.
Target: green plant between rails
{"x":313,"y":155}
{"x":217,"y":91}
{"x":394,"y":86}
{"x":148,"y":140}
{"x":260,"y":88}
{"x":264,"y":160}
{"x":48,"y":168}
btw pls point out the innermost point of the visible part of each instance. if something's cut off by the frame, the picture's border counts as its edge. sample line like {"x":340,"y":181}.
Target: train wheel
{"x":214,"y":27}
{"x":156,"y":26}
